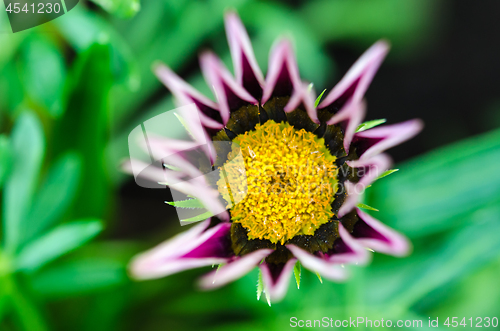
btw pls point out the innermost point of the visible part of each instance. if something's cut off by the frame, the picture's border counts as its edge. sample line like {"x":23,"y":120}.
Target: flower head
{"x":304,"y":168}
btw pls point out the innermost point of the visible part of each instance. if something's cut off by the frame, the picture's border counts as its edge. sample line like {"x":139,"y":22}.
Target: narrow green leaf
{"x":198,"y":218}
{"x":44,"y":73}
{"x":319,"y":277}
{"x":363,"y":206}
{"x":28,"y":146}
{"x":5,"y":158}
{"x":56,"y":243}
{"x":318,"y":99}
{"x":85,"y":120}
{"x":189,"y":203}
{"x":370,"y":124}
{"x":268,"y":298}
{"x":426,"y":196}
{"x":79,"y":277}
{"x":55,"y":195}
{"x":120,"y":8}
{"x":171,"y":167}
{"x":260,"y":285}
{"x":465,"y":251}
{"x":26,"y":312}
{"x":296,"y":272}
{"x":387,"y":173}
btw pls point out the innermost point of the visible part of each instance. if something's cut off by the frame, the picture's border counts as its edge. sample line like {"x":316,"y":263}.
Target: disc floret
{"x":291,"y":181}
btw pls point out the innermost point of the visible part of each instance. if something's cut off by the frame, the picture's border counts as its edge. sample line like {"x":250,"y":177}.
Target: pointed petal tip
{"x":282,"y":56}
{"x":276,"y":287}
{"x":231,"y":16}
{"x":389,"y":136}
{"x":329,"y":270}
{"x":359,"y":255}
{"x":381,"y":47}
{"x":157,"y":65}
{"x":361,"y":73}
{"x":395,"y":243}
{"x":233,"y":270}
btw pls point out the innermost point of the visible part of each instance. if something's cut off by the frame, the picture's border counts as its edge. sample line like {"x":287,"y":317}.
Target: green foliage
{"x":370,"y":124}
{"x":364,"y":206}
{"x":260,"y":285}
{"x":198,"y":218}
{"x":57,"y":242}
{"x":318,"y":99}
{"x":121,"y":8}
{"x":296,"y":273}
{"x":78,"y":277}
{"x":44,"y":73}
{"x":86,"y":120}
{"x":387,"y":173}
{"x":5,"y":158}
{"x":55,"y":195}
{"x":189,"y":203}
{"x":28,"y":147}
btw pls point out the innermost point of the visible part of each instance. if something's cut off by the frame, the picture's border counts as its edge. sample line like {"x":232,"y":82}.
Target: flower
{"x":306,"y":167}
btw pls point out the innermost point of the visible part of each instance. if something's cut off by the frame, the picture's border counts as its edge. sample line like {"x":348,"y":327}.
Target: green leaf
{"x":363,"y":206}
{"x":26,"y":312}
{"x":260,"y":285}
{"x":56,"y":243}
{"x":189,"y":203}
{"x":79,"y":277}
{"x":319,"y":277}
{"x":387,"y":173}
{"x":318,"y":99}
{"x":268,"y":298}
{"x":370,"y":124}
{"x":44,"y":73}
{"x":438,"y":191}
{"x":120,"y":8}
{"x":200,"y":20}
{"x":395,"y":20}
{"x":55,"y":195}
{"x":28,"y":146}
{"x":5,"y":158}
{"x":464,"y":251}
{"x":296,"y":273}
{"x":198,"y":218}
{"x":86,"y":121}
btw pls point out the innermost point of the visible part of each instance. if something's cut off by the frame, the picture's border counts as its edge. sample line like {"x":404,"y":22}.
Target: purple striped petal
{"x":246,"y":69}
{"x":276,"y":278}
{"x":374,"y":141}
{"x":356,"y":81}
{"x":369,"y":170}
{"x":194,"y":248}
{"x":230,"y":95}
{"x":149,"y":172}
{"x":303,"y":96}
{"x":185,"y":94}
{"x":283,"y":74}
{"x":200,"y":132}
{"x":349,"y":117}
{"x":373,"y":234}
{"x":234,"y":269}
{"x":347,"y":250}
{"x":174,"y":152}
{"x":320,"y":265}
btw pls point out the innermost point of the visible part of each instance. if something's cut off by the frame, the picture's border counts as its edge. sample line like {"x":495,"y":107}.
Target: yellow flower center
{"x":291,"y":181}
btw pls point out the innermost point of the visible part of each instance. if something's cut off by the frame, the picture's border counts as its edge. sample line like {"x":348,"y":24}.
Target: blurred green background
{"x":72,"y":89}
